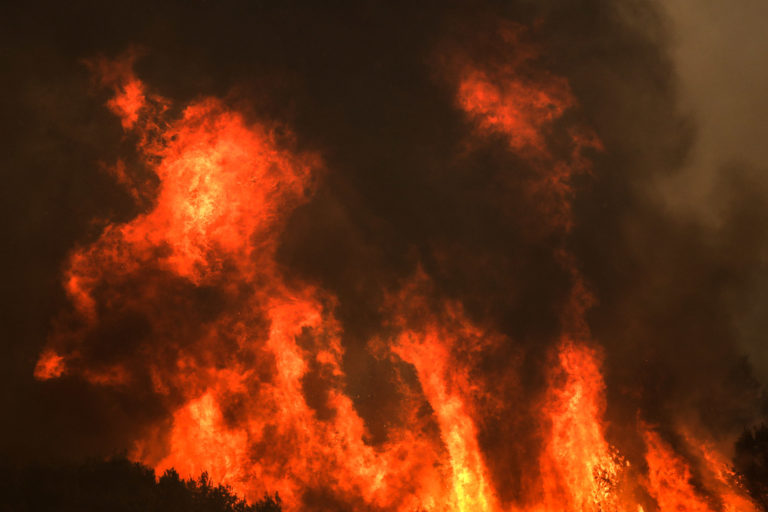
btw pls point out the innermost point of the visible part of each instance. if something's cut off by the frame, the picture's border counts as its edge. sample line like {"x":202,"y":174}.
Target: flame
{"x":505,"y":100}
{"x":516,"y":109}
{"x":130,"y":97}
{"x":670,"y":479}
{"x":579,"y":467}
{"x":50,"y":365}
{"x":446,"y":384}
{"x":236,"y":385}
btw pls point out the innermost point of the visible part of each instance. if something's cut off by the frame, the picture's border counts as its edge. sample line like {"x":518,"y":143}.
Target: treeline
{"x":117,"y":485}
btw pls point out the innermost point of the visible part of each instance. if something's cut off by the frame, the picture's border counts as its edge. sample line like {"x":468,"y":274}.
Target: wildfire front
{"x":377,"y":257}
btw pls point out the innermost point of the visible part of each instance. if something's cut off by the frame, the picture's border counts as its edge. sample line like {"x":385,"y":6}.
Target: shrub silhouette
{"x":117,"y":485}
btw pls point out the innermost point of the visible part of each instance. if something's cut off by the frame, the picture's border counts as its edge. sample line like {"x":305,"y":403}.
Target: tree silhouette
{"x":751,"y":463}
{"x":117,"y":485}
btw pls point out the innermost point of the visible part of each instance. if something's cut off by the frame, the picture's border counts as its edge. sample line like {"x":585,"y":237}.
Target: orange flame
{"x":580,"y":470}
{"x":446,"y":384}
{"x":237,"y":388}
{"x":50,"y":365}
{"x":670,"y":479}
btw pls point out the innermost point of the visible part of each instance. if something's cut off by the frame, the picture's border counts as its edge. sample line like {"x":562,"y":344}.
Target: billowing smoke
{"x":374,"y":256}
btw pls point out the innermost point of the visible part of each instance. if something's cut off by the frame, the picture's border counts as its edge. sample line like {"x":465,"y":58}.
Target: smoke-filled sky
{"x":719,"y":51}
{"x":517,"y":178}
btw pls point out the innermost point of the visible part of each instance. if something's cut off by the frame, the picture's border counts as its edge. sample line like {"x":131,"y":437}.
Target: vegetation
{"x":751,"y":463}
{"x":117,"y":485}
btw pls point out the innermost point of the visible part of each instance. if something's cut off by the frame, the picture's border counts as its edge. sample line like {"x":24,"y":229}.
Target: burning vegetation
{"x":436,"y":303}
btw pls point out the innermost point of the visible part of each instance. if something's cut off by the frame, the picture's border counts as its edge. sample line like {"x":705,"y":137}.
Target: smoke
{"x":718,"y":52}
{"x":404,"y":186}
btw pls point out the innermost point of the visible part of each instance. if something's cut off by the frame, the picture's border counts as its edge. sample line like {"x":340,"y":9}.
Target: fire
{"x":129,"y":98}
{"x":446,"y":385}
{"x":515,"y":108}
{"x":50,"y":365}
{"x":669,"y":478}
{"x":236,"y":385}
{"x":579,"y":468}
{"x":506,"y":99}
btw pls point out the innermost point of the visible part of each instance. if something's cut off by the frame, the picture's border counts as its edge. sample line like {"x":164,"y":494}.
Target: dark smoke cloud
{"x":365,"y":84}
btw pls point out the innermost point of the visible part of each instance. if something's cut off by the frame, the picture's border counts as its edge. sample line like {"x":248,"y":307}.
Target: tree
{"x":751,"y":463}
{"x":117,"y":485}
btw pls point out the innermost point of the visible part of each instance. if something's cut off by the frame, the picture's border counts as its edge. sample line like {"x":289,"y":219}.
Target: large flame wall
{"x":251,"y":360}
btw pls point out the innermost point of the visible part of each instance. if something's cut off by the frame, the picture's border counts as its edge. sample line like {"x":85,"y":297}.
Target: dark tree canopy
{"x":117,"y":485}
{"x":751,"y":463}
